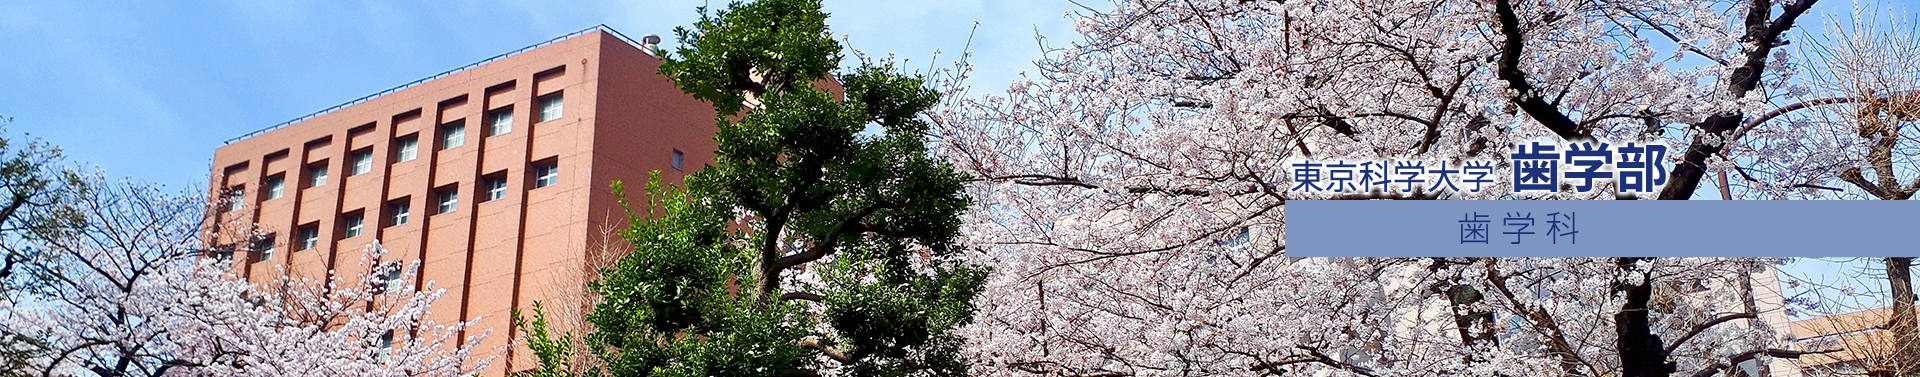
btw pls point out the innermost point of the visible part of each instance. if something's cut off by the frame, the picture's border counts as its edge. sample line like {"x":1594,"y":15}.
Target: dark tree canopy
{"x":811,"y":246}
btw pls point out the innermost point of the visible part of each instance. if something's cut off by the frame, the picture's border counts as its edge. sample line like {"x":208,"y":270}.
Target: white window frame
{"x":448,"y":201}
{"x":548,"y":174}
{"x":496,"y":189}
{"x":500,"y":122}
{"x":409,"y":148}
{"x":267,"y":251}
{"x":453,"y":135}
{"x":389,"y":277}
{"x":552,"y":107}
{"x":309,"y":238}
{"x":276,"y":186}
{"x":317,"y":176}
{"x":236,"y":198}
{"x":356,"y":224}
{"x":402,"y":212}
{"x":362,"y":163}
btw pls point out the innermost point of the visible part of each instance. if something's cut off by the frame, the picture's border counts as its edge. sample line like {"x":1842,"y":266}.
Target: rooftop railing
{"x":610,"y":30}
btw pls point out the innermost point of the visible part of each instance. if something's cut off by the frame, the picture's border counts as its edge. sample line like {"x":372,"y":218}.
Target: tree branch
{"x":1543,"y":322}
{"x":1524,"y":93}
{"x":809,"y":296}
{"x":1762,"y":36}
{"x":1055,"y":369}
{"x":1852,"y":175}
{"x":1807,"y":104}
{"x":1313,"y":356}
{"x":815,"y":343}
{"x":1697,"y":329}
{"x":1750,"y":355}
{"x":826,"y":245}
{"x":1043,"y":180}
{"x":1670,"y":37}
{"x":746,"y":85}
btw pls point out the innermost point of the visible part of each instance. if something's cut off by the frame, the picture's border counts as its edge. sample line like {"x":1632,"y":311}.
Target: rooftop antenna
{"x":651,"y":44}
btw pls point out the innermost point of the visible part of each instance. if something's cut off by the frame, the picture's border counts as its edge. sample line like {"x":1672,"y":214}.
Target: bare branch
{"x":1697,"y":329}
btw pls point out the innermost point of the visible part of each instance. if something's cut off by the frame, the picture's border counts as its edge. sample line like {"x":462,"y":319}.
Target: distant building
{"x":494,"y":175}
{"x":1864,"y":342}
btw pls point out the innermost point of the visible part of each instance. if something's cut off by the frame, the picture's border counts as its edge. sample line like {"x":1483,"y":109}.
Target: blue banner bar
{"x":1601,"y":228}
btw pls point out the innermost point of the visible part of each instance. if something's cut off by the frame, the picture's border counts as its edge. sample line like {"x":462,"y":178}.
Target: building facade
{"x":495,"y":177}
{"x":1862,"y":343}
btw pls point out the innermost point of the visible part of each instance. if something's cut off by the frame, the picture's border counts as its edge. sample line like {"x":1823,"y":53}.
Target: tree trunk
{"x":1748,"y":303}
{"x":1464,"y":297}
{"x":1904,"y":325}
{"x":1466,"y":317}
{"x":1641,"y":352}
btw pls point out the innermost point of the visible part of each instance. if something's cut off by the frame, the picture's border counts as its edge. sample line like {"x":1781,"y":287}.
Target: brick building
{"x":495,"y":176}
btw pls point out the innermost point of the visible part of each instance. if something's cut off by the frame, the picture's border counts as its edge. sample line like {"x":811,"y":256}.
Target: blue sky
{"x":147,"y":89}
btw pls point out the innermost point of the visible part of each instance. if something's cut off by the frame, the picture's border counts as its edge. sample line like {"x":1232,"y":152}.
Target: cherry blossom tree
{"x":1848,"y":132}
{"x":134,"y":293}
{"x":1138,"y":184}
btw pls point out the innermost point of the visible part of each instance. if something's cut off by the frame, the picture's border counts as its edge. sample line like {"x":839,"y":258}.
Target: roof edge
{"x":603,"y":27}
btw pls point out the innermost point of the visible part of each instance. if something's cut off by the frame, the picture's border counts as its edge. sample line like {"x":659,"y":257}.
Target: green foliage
{"x":777,"y":45}
{"x":555,"y":353}
{"x":798,"y":188}
{"x":895,"y":320}
{"x":37,"y":200}
{"x":16,"y":352}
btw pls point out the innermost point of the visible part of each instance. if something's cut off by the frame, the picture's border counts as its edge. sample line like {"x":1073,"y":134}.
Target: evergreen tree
{"x":810,"y":247}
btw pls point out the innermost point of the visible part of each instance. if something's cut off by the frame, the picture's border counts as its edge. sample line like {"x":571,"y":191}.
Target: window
{"x":264,"y":246}
{"x":546,"y":174}
{"x":236,"y":198}
{"x":389,"y":275}
{"x":679,"y":158}
{"x":453,"y":135}
{"x":400,"y":211}
{"x":309,"y":236}
{"x":500,"y":122}
{"x":317,"y":174}
{"x":496,"y":188}
{"x":276,"y":186}
{"x":408,"y":148}
{"x":550,"y":107}
{"x":224,"y":254}
{"x":362,"y":162}
{"x":449,"y":200}
{"x":352,"y":224}
{"x":386,"y":347}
